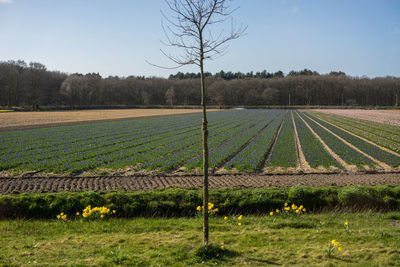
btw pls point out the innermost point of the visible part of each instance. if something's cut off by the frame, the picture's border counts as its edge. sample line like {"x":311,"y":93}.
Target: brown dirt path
{"x":148,"y":182}
{"x":10,"y":121}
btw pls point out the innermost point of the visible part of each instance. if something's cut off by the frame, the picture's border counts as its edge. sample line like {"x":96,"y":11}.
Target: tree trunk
{"x":205,"y":148}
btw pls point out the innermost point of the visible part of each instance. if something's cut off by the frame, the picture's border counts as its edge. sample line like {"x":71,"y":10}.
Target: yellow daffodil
{"x":223,"y":247}
{"x":58,"y":216}
{"x":102,"y":216}
{"x":304,"y":210}
{"x":240,"y":224}
{"x":215,"y":210}
{"x":346,"y":223}
{"x":240,"y":217}
{"x":198,"y":208}
{"x":297,"y":211}
{"x":225,"y":218}
{"x":277,"y":211}
{"x":287,"y":208}
{"x":286,"y":204}
{"x":114,"y":211}
{"x":301,"y":207}
{"x":64,"y":217}
{"x":340,"y":248}
{"x":62,"y":213}
{"x":271,"y":213}
{"x":77,"y":214}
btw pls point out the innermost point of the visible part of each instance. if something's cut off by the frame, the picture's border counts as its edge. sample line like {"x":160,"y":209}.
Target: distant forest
{"x":23,"y":84}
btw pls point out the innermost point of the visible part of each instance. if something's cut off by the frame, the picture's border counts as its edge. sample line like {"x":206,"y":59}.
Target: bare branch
{"x":188,"y":28}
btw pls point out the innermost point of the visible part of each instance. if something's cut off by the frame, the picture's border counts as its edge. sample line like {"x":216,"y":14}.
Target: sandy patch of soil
{"x":27,"y":120}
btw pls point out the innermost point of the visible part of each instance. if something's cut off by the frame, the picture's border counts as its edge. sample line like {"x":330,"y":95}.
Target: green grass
{"x":296,"y":240}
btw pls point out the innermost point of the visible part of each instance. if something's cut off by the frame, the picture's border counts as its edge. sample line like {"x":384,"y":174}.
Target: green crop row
{"x":348,"y":154}
{"x":284,"y":152}
{"x":364,"y":146}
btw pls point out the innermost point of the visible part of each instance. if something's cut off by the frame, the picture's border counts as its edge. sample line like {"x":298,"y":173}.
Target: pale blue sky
{"x":359,"y":37}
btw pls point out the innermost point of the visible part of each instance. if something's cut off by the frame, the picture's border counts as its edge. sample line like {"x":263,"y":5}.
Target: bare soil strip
{"x":384,"y":166}
{"x":347,"y":167}
{"x":362,"y":138}
{"x":10,"y":121}
{"x":145,"y":183}
{"x":303,"y":164}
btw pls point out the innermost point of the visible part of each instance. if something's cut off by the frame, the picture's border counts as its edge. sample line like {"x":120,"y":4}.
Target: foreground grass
{"x":374,"y":241}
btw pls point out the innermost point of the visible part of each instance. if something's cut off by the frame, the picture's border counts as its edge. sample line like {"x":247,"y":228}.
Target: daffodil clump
{"x":347,"y":227}
{"x":6,"y":110}
{"x":234,"y":220}
{"x":289,"y":210}
{"x":96,"y":212}
{"x":62,"y":217}
{"x":212,"y":210}
{"x":333,"y":245}
{"x":89,"y":213}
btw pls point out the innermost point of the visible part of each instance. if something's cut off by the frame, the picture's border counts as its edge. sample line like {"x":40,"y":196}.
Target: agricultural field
{"x":28,"y":120}
{"x":250,"y":141}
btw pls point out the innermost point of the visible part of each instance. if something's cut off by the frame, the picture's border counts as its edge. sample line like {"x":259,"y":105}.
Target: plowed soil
{"x":148,"y":182}
{"x":10,"y":121}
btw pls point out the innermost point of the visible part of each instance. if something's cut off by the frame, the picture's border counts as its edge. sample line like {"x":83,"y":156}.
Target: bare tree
{"x":189,"y":28}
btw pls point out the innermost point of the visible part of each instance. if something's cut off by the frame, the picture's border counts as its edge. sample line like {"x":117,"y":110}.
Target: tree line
{"x":23,"y":84}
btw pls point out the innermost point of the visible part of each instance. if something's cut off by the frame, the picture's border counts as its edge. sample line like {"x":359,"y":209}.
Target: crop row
{"x":348,"y":154}
{"x":192,"y":158}
{"x":253,"y":155}
{"x":389,"y":140}
{"x":284,"y":152}
{"x":159,"y":151}
{"x":226,"y":150}
{"x":313,"y":150}
{"x":364,"y":146}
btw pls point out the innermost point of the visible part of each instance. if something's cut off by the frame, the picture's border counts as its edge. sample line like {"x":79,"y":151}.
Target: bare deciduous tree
{"x":189,"y":28}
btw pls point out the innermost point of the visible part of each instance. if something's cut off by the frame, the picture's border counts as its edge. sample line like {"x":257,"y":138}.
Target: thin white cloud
{"x":6,"y":1}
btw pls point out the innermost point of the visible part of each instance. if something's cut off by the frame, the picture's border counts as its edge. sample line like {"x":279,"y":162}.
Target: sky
{"x":119,"y":37}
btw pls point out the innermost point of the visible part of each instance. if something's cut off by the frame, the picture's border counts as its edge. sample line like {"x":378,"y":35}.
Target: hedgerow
{"x":182,"y":202}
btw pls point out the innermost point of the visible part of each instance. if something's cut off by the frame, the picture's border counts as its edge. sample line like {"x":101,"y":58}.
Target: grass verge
{"x":373,"y":240}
